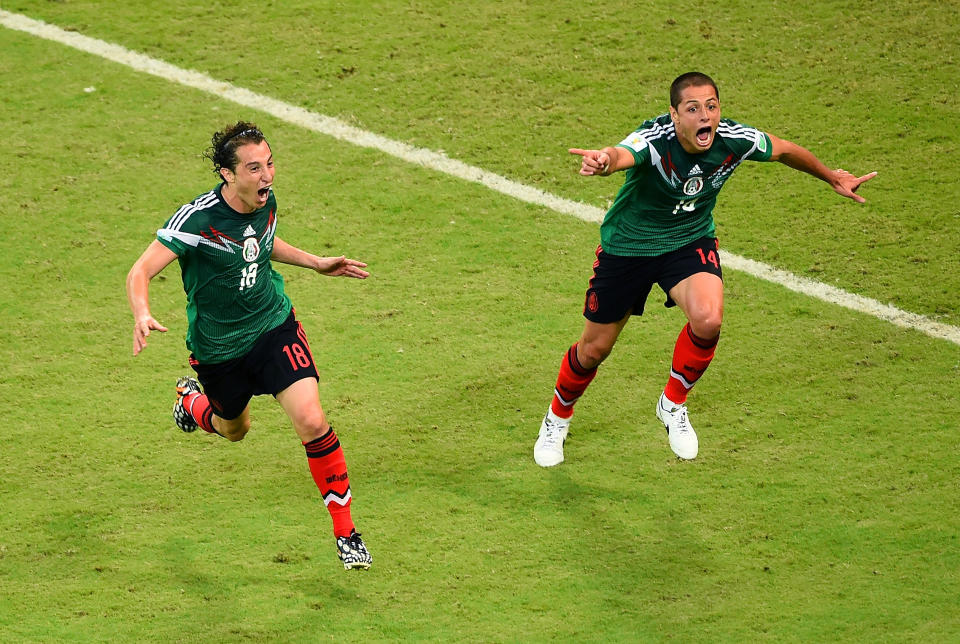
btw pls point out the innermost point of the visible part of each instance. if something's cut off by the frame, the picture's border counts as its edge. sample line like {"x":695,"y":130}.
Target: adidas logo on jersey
{"x":695,"y":170}
{"x":249,"y":231}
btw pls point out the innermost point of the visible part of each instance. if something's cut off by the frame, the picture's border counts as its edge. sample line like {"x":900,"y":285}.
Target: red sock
{"x":329,"y":470}
{"x":572,"y":381}
{"x":691,"y":356}
{"x":198,"y":406}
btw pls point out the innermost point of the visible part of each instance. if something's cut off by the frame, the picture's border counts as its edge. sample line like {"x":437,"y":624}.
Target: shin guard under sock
{"x":691,"y":357}
{"x":572,"y":381}
{"x":329,"y":470}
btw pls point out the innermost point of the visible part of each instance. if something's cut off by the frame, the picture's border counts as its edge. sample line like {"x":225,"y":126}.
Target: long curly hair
{"x":223,"y":146}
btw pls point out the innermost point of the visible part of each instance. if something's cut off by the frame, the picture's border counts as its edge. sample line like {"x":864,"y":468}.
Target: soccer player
{"x":660,"y":230}
{"x":242,"y":332}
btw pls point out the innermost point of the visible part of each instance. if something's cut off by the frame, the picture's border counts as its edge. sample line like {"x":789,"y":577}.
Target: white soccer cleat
{"x":683,"y":440}
{"x":548,"y":450}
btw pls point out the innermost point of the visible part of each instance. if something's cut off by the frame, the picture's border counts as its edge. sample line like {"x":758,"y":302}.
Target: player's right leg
{"x":618,"y":289}
{"x":577,"y":370}
{"x":186,"y":387}
{"x":222,"y":406}
{"x":193,"y":409}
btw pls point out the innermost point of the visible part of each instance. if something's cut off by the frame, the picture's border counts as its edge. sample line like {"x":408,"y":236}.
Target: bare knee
{"x":592,"y":352}
{"x":311,"y":427}
{"x":706,"y":324}
{"x":233,"y":431}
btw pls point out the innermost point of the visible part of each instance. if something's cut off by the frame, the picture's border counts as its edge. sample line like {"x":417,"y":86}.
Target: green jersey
{"x":233,"y":293}
{"x":668,"y":196}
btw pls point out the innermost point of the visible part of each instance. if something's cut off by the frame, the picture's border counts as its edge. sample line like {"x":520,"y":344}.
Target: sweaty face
{"x":696,"y":118}
{"x":248,"y":185}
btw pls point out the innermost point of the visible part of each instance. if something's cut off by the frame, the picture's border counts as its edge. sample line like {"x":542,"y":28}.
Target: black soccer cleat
{"x":181,"y":416}
{"x":353,"y":553}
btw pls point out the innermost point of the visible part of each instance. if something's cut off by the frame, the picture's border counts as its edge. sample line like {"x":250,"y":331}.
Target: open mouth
{"x":263,"y":193}
{"x":704,"y":134}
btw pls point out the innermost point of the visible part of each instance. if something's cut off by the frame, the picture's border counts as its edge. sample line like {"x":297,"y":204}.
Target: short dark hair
{"x":690,"y":79}
{"x":224,"y":144}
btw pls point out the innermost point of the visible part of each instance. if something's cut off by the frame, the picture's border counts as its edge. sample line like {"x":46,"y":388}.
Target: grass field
{"x":822,"y":506}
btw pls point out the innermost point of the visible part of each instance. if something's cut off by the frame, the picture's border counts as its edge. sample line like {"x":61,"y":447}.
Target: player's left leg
{"x":301,"y":402}
{"x":700,"y":297}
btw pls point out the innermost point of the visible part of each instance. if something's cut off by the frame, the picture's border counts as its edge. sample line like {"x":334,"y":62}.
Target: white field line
{"x":442,"y":163}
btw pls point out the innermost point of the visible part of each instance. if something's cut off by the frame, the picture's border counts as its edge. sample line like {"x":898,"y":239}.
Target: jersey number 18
{"x":248,"y":276}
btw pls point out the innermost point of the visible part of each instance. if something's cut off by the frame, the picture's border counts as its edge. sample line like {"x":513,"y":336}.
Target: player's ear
{"x":227,"y":175}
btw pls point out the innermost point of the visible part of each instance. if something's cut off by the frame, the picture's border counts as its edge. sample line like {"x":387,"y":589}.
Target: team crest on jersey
{"x":251,"y":249}
{"x":692,"y":186}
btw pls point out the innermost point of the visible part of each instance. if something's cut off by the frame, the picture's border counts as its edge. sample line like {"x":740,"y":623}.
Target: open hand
{"x":141,"y":329}
{"x":342,"y":266}
{"x":846,"y":184}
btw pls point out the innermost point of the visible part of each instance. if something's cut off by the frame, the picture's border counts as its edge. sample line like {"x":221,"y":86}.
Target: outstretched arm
{"x":153,"y":260}
{"x":332,"y":266}
{"x":603,"y":162}
{"x":800,"y":158}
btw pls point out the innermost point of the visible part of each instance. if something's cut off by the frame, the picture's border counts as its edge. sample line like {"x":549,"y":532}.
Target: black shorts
{"x":620,"y":285}
{"x":279,"y":358}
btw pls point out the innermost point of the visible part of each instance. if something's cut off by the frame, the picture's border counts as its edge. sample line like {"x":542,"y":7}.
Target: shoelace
{"x":683,"y":426}
{"x":185,"y":390}
{"x":356,"y":550}
{"x":680,"y":413}
{"x":553,"y":436}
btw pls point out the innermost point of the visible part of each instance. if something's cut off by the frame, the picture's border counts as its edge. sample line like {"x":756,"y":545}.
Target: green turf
{"x":822,"y":506}
{"x":510,"y":86}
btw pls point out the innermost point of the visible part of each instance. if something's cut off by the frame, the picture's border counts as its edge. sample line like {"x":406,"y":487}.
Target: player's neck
{"x":230,"y":196}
